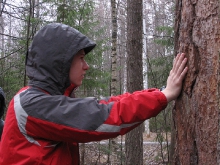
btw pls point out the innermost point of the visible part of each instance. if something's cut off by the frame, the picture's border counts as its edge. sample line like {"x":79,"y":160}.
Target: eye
{"x":82,"y":56}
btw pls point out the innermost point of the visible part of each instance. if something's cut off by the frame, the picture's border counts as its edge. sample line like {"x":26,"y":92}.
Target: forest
{"x":136,"y":44}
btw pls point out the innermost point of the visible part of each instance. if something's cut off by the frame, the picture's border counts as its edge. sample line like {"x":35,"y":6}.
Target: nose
{"x":85,"y":66}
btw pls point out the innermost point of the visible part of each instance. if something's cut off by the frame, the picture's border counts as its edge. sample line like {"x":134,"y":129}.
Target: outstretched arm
{"x":176,"y":76}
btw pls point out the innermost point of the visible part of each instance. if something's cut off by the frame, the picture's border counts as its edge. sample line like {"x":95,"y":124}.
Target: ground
{"x":154,"y":153}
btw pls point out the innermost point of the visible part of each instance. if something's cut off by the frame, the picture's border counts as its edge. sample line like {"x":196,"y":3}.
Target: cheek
{"x":74,"y":71}
{"x":73,"y":67}
{"x":71,"y":73}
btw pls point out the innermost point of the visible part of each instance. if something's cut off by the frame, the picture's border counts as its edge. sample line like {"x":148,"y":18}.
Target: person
{"x":44,"y":123}
{"x":2,"y":109}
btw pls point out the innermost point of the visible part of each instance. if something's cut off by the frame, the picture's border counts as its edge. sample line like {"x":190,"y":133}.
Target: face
{"x":78,"y":68}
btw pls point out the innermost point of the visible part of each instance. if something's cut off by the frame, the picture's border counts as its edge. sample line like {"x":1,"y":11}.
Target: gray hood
{"x":50,"y":56}
{"x":2,"y":99}
{"x":2,"y":94}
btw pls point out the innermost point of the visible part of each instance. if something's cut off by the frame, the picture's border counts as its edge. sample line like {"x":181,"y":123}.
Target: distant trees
{"x":160,"y":54}
{"x":27,"y":18}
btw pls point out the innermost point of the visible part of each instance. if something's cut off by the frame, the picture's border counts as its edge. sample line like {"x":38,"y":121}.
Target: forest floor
{"x":154,"y":153}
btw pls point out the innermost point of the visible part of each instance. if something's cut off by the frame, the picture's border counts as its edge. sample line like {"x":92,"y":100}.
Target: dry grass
{"x":97,"y":153}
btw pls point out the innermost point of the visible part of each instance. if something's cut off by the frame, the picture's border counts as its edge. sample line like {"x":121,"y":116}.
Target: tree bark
{"x":114,"y":49}
{"x":134,"y":139}
{"x":1,"y":31}
{"x":196,"y":113}
{"x":114,"y":74}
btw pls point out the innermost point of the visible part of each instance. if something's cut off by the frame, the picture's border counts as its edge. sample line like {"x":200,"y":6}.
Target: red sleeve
{"x":132,"y":109}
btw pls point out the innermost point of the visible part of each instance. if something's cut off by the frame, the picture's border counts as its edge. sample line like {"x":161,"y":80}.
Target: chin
{"x":78,"y":84}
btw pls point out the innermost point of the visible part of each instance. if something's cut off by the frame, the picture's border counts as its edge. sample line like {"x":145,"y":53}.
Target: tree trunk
{"x":29,"y":27}
{"x":113,"y":91}
{"x":196,"y":113}
{"x":134,"y":139}
{"x":2,"y":32}
{"x":114,"y":49}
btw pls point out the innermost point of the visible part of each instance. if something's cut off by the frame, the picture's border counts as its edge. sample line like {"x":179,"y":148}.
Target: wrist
{"x":168,"y":95}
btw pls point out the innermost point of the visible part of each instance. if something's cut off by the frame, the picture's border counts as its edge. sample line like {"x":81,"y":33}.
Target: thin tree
{"x":134,"y":139}
{"x":30,"y":15}
{"x":114,"y":72}
{"x":114,"y":49}
{"x":196,"y":113}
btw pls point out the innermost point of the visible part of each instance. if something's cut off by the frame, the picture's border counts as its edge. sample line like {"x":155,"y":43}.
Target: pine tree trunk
{"x":134,"y":139}
{"x":196,"y":114}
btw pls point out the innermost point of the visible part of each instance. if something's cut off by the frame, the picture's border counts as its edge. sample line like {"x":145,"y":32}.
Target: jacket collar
{"x":69,"y":90}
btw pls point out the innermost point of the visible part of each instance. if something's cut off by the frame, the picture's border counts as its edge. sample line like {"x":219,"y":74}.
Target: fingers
{"x":175,"y":62}
{"x":179,"y":64}
{"x":175,"y":79}
{"x":183,"y":73}
{"x":182,"y":66}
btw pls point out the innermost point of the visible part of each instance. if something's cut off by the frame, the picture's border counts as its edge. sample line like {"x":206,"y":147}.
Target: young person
{"x":44,"y":124}
{"x":2,"y":109}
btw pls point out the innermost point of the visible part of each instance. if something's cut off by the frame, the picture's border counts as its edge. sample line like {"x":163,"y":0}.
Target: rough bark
{"x":134,"y":139}
{"x":196,"y":113}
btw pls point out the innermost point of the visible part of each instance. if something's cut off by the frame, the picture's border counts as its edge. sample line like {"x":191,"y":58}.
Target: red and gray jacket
{"x":44,"y":125}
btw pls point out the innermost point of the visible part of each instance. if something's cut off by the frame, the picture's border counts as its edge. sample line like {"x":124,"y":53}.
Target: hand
{"x":176,"y":76}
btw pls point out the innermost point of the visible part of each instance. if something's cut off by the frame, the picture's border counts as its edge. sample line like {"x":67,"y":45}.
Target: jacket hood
{"x":2,"y":99}
{"x":50,"y":56}
{"x":2,"y":93}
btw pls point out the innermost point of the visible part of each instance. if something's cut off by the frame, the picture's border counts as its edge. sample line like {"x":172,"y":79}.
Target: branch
{"x":1,"y":58}
{"x":2,"y":7}
{"x":9,"y":36}
{"x":13,"y":16}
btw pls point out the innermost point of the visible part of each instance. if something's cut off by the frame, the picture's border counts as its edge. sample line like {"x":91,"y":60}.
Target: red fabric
{"x":118,"y":110}
{"x":69,"y":90}
{"x":26,"y":153}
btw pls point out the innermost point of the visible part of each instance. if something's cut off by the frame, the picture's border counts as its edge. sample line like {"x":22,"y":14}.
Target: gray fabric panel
{"x":21,"y":117}
{"x":84,"y":114}
{"x":114,"y":128}
{"x":106,"y":98}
